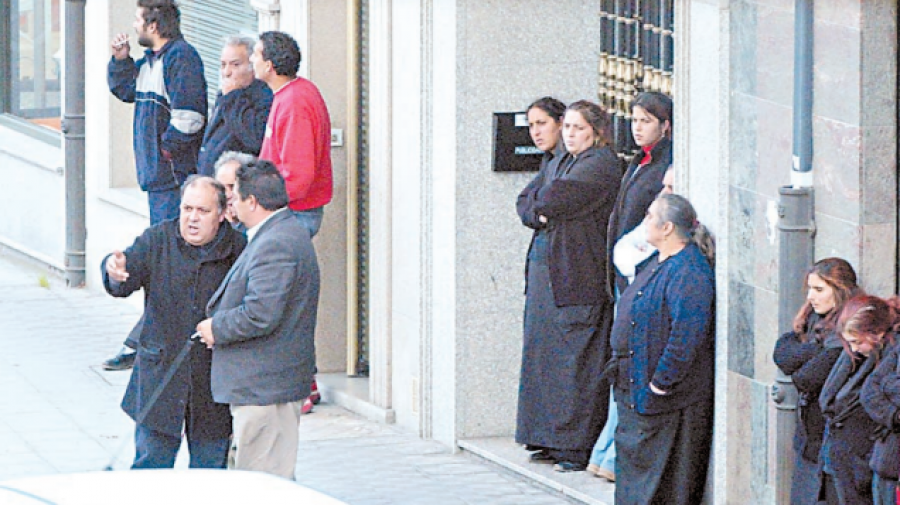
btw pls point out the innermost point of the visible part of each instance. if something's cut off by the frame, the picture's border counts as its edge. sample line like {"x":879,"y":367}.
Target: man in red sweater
{"x":298,"y":132}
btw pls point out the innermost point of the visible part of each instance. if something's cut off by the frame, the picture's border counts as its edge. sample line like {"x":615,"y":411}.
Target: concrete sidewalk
{"x":59,"y":412}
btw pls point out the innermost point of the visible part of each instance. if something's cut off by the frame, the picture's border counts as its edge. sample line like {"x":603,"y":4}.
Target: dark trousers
{"x":805,"y":482}
{"x":884,"y":490}
{"x":662,"y":459}
{"x":154,"y":449}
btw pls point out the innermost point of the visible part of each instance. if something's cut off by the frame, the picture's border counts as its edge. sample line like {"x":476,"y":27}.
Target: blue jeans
{"x":884,"y":490}
{"x":164,"y":205}
{"x":311,"y":219}
{"x":604,"y":453}
{"x":154,"y":449}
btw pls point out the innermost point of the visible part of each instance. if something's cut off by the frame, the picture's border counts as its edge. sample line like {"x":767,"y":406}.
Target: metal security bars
{"x":636,"y":54}
{"x":362,"y":194}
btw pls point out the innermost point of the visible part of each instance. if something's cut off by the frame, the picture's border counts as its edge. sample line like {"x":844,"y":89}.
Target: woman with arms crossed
{"x":562,"y":403}
{"x":807,"y":354}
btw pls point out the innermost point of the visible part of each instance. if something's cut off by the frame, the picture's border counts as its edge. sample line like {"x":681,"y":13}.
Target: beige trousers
{"x":266,"y":437}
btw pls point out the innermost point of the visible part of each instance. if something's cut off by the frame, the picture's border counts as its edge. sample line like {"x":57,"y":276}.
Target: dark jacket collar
{"x":155,"y":55}
{"x":222,"y":246}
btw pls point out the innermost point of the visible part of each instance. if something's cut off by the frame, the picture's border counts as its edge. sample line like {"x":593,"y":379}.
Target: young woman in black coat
{"x":807,"y":354}
{"x":881,"y":398}
{"x":562,"y":398}
{"x":867,"y":325}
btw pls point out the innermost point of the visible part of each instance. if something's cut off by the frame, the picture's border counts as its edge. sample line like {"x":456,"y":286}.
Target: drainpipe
{"x":73,"y":131}
{"x":796,"y":227}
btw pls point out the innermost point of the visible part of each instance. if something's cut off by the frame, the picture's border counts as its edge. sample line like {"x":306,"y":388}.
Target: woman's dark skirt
{"x":662,"y":458}
{"x":563,"y":401}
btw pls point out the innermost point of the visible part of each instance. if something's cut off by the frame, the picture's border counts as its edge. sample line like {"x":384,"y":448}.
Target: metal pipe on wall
{"x":796,"y":228}
{"x":73,"y":133}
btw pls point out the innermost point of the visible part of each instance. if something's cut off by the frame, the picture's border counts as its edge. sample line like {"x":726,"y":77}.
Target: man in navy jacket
{"x":168,"y":89}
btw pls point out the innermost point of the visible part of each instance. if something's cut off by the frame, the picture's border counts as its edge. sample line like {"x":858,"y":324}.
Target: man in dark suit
{"x":261,"y":325}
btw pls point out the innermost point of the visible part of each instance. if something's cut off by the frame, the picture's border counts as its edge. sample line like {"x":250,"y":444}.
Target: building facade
{"x":412,"y":86}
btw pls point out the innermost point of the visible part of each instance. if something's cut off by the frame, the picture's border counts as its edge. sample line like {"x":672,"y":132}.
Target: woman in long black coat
{"x":562,"y":400}
{"x":807,"y":354}
{"x":867,"y":325}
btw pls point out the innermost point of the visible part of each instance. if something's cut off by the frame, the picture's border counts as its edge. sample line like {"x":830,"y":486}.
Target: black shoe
{"x":542,"y":457}
{"x":568,"y":466}
{"x":122,"y":361}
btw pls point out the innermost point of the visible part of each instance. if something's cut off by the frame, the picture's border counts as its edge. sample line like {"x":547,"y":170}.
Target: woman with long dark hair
{"x":568,"y":312}
{"x":651,"y":128}
{"x":807,"y":353}
{"x":663,"y":347}
{"x":867,"y":325}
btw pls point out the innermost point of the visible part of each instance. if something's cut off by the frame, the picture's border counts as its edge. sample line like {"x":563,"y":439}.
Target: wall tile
{"x":837,"y":238}
{"x":744,"y":153}
{"x":741,"y":235}
{"x":744,"y":41}
{"x":766,"y":332}
{"x":839,"y":12}
{"x":879,"y":175}
{"x":836,"y":90}
{"x":836,"y":168}
{"x":775,"y":55}
{"x":740,"y":329}
{"x":775,"y":137}
{"x":879,"y":63}
{"x":879,"y":261}
{"x":759,"y":439}
{"x":739,"y":474}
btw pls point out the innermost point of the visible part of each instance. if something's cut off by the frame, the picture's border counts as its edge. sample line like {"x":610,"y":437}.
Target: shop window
{"x":31,"y":80}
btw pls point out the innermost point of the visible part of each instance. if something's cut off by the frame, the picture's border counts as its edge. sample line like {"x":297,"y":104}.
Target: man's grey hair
{"x":241,"y":40}
{"x":229,"y":156}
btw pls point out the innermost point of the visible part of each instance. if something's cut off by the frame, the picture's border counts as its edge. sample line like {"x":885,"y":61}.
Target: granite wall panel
{"x":879,"y":174}
{"x":741,"y":329}
{"x":766,"y":332}
{"x":774,"y":54}
{"x":744,"y":152}
{"x":508,"y":55}
{"x":836,"y":168}
{"x":837,"y":92}
{"x":879,"y":258}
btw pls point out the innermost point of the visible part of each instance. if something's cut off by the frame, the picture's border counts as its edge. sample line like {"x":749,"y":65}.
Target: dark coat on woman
{"x":881,"y":398}
{"x":808,"y":363}
{"x":178,"y":280}
{"x":563,"y":399}
{"x":638,"y":190}
{"x":849,"y":432}
{"x":576,"y":195}
{"x":669,"y":330}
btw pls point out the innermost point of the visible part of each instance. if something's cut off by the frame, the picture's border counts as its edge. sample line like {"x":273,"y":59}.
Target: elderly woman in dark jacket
{"x":867,"y":325}
{"x":662,"y":342}
{"x":562,"y":398}
{"x":880,"y":397}
{"x":807,"y":354}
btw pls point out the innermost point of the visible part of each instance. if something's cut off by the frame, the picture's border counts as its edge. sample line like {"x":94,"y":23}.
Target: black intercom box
{"x":513,"y":149}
